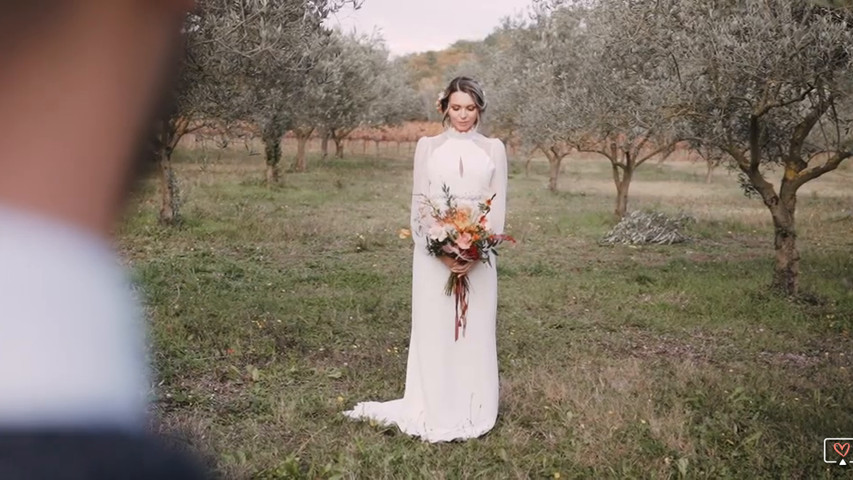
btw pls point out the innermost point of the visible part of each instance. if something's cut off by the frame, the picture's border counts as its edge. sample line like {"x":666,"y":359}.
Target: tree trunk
{"x":787,"y":268}
{"x":169,"y":196}
{"x":364,"y":147}
{"x":376,"y":142}
{"x":623,"y":183}
{"x":554,"y":172}
{"x":782,"y":208}
{"x":709,"y":174}
{"x":554,"y":160}
{"x":169,"y":193}
{"x":303,"y":136}
{"x":622,"y":195}
{"x":271,"y":136}
{"x":300,"y":164}
{"x":339,"y":147}
{"x":272,"y":153}
{"x":324,"y":145}
{"x":272,"y":175}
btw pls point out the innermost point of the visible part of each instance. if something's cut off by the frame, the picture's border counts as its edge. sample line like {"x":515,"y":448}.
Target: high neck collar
{"x":453,"y":133}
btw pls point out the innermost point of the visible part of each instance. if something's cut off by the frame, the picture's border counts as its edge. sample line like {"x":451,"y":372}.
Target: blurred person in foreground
{"x":81,"y":82}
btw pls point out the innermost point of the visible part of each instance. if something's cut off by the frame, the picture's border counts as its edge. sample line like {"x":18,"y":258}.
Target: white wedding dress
{"x":451,"y":385}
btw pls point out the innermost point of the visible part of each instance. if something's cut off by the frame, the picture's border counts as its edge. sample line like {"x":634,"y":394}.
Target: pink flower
{"x":464,"y":241}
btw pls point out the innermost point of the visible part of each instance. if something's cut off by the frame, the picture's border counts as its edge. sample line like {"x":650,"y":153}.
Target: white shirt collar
{"x":71,"y":341}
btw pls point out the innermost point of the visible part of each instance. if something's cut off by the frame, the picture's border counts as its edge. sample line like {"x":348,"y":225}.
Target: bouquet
{"x":461,"y":231}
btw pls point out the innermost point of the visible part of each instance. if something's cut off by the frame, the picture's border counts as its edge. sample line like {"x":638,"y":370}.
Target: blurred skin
{"x":79,"y":91}
{"x":463,"y":113}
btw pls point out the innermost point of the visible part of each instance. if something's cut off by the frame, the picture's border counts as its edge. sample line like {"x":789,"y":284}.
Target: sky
{"x":410,"y":26}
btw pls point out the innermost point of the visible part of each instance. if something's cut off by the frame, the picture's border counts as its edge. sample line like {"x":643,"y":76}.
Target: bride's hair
{"x":462,"y":84}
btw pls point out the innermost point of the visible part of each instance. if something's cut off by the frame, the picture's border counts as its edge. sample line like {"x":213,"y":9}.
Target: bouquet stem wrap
{"x":457,"y":284}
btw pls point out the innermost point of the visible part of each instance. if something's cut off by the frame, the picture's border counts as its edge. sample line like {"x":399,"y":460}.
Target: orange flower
{"x":404,"y":233}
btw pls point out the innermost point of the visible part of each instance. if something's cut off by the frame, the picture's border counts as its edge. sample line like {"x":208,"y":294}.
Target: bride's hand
{"x":457,"y":266}
{"x":448,"y":261}
{"x":462,"y":267}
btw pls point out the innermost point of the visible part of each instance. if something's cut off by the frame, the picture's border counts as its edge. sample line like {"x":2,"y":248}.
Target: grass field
{"x":272,"y":310}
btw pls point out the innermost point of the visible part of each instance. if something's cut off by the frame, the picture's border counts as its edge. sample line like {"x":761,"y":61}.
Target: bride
{"x":451,"y":385}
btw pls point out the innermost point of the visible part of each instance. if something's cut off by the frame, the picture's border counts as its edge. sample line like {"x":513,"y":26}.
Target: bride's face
{"x":462,"y":110}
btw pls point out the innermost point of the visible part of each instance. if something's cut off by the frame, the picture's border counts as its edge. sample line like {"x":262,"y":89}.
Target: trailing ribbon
{"x":458,"y":286}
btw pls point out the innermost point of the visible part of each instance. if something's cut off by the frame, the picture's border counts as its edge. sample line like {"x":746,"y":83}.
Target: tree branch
{"x":794,"y":159}
{"x":737,"y":155}
{"x":668,"y":148}
{"x":754,"y":147}
{"x":831,"y":164}
{"x":604,"y":153}
{"x":766,"y":108}
{"x":636,"y":150}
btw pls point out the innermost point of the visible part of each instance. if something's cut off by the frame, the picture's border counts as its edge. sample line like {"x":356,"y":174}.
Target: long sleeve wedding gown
{"x":451,"y":385}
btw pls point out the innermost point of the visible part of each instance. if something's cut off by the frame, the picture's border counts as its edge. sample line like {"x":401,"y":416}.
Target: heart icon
{"x":841,"y":448}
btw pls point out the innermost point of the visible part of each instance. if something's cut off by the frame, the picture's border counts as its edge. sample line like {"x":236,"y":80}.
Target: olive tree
{"x":269,"y":51}
{"x":769,"y":83}
{"x":622,"y":87}
{"x":533,"y":95}
{"x":363,"y":88}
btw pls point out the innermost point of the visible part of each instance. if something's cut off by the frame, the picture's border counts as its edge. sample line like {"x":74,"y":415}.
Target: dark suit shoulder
{"x":93,"y":456}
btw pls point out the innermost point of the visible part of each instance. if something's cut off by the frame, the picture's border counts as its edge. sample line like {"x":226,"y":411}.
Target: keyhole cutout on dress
{"x":461,"y":168}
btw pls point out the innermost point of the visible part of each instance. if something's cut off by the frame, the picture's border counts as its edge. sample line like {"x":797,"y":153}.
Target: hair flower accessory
{"x":438,"y":102}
